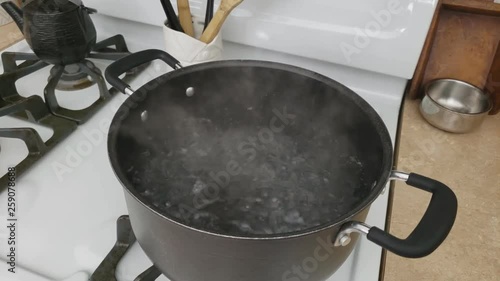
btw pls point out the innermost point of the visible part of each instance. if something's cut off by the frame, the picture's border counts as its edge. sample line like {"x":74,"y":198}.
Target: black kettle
{"x":58,"y":31}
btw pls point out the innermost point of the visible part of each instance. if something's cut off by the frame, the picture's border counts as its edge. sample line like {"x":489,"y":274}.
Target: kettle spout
{"x":15,"y":13}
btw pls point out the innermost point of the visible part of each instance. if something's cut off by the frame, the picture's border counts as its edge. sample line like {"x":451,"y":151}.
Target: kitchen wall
{"x":385,"y":36}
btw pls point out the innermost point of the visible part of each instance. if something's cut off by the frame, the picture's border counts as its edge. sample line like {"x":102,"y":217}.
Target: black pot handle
{"x":134,"y":60}
{"x":430,"y":232}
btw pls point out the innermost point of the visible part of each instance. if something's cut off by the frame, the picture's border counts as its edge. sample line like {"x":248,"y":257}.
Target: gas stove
{"x":71,"y":213}
{"x":18,"y":101}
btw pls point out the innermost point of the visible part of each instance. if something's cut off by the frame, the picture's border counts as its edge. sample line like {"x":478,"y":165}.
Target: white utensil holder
{"x":189,"y":50}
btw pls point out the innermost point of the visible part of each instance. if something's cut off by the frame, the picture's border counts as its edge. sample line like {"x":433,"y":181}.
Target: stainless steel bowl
{"x":454,"y":106}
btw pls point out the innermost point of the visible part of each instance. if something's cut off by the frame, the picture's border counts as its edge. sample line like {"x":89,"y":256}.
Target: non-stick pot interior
{"x":253,"y":149}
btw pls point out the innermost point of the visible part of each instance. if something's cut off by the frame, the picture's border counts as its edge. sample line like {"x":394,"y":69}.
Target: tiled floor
{"x":470,"y":165}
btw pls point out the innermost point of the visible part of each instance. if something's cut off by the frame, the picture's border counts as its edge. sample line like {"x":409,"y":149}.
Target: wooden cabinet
{"x":462,"y":44}
{"x":493,"y":82}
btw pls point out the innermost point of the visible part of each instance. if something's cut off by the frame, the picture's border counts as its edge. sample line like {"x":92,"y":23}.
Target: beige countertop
{"x":470,"y":164}
{"x":9,"y":34}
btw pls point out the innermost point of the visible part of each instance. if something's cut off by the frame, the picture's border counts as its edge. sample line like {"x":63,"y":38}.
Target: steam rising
{"x":255,"y":151}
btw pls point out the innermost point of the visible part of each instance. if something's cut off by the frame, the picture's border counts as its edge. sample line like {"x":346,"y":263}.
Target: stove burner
{"x":74,"y":77}
{"x":71,"y":77}
{"x":33,"y":109}
{"x":36,"y":111}
{"x":125,"y":239}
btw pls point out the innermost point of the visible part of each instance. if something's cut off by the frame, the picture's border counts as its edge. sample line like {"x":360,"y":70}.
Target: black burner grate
{"x":102,"y":50}
{"x":50,"y":114}
{"x":34,"y":110}
{"x":125,"y":239}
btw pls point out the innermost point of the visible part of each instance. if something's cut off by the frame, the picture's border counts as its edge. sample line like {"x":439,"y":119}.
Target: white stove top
{"x":67,"y":218}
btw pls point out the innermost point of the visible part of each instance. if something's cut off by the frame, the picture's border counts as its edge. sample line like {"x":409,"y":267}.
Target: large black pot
{"x":330,"y":123}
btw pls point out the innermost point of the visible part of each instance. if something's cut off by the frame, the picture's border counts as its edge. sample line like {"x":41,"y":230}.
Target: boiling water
{"x":240,"y":181}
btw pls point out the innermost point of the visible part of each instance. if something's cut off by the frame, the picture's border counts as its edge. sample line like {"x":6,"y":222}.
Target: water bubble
{"x":202,"y":153}
{"x":243,"y":226}
{"x":198,"y":186}
{"x":293,"y":217}
{"x":275,"y":203}
{"x":277,"y":192}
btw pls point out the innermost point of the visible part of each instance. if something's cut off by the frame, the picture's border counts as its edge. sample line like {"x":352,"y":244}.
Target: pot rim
{"x":432,"y":82}
{"x":386,"y":161}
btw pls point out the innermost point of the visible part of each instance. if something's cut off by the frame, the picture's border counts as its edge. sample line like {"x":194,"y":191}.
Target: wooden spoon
{"x":225,"y":8}
{"x":185,"y":17}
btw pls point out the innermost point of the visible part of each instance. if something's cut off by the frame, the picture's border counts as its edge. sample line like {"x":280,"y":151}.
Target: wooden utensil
{"x":225,"y":8}
{"x":185,"y":17}
{"x":171,"y":16}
